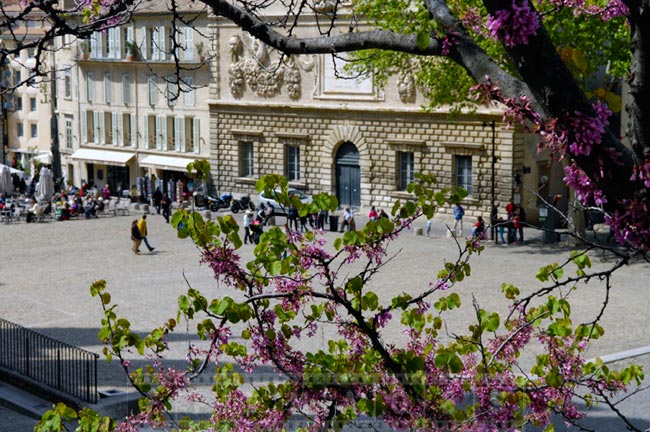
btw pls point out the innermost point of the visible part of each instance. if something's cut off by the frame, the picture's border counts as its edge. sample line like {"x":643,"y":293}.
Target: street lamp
{"x":493,"y":215}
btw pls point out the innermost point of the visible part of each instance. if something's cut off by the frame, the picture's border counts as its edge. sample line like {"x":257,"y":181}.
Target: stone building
{"x":129,"y":106}
{"x":345,"y":136}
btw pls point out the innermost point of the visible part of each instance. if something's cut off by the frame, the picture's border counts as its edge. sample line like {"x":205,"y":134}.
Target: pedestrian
{"x":322,"y":216}
{"x":247,"y":226}
{"x":348,"y":220}
{"x":142,"y":226}
{"x":166,"y":204}
{"x":501,"y":223}
{"x":106,"y":192}
{"x":157,"y":199}
{"x":373,"y":215}
{"x":478,"y":231}
{"x":136,"y":237}
{"x":292,"y":217}
{"x":428,"y":227}
{"x":521,"y":213}
{"x":383,"y":214}
{"x":510,"y":209}
{"x":459,"y":212}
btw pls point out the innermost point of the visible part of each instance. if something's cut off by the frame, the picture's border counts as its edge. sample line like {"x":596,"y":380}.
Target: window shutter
{"x":162,"y":43}
{"x":108,"y":88}
{"x":117,"y":48}
{"x":178,"y":124}
{"x":126,"y":89}
{"x":110,"y":36}
{"x":114,"y":127}
{"x":183,"y":137}
{"x":90,"y":86}
{"x":145,"y":51}
{"x":93,"y":44}
{"x":188,"y":96}
{"x":134,"y":130}
{"x":189,"y":43}
{"x":152,"y":90}
{"x":159,"y":133}
{"x":196,"y":130}
{"x":171,"y":101}
{"x":102,"y":129}
{"x":84,"y":125}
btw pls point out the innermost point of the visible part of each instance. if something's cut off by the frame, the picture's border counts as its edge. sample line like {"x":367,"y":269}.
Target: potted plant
{"x":132,"y":51}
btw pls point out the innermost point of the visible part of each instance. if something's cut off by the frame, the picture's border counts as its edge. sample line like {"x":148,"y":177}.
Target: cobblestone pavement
{"x":46,"y":269}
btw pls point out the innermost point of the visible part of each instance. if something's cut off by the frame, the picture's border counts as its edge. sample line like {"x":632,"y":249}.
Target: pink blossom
{"x":514,"y":26}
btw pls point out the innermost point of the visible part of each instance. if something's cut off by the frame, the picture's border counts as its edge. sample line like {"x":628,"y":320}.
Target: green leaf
{"x":422,"y":40}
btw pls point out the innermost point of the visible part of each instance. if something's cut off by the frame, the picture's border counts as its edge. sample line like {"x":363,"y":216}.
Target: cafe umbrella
{"x":45,"y":184}
{"x":6,"y":182}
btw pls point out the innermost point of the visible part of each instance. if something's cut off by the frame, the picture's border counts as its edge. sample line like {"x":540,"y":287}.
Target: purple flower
{"x":514,"y":26}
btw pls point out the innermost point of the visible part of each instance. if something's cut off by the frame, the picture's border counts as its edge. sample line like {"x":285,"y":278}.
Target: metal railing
{"x":48,"y":361}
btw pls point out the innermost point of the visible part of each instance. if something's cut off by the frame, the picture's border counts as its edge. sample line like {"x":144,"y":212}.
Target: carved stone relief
{"x":406,"y":88}
{"x":255,"y":66}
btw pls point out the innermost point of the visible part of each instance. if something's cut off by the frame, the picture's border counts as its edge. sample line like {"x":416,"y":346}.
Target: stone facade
{"x":266,"y":109}
{"x":379,"y":137}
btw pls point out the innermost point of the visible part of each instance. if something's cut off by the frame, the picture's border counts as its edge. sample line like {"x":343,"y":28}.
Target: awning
{"x":44,"y":158}
{"x":103,"y":157}
{"x":166,"y":162}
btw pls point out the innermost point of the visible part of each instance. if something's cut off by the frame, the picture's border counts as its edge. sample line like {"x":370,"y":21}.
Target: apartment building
{"x":132,"y":99}
{"x":27,"y":102}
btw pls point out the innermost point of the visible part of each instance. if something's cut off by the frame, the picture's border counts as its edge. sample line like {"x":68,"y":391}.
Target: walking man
{"x":166,"y":204}
{"x":247,"y":226}
{"x":142,"y":226}
{"x":459,"y":212}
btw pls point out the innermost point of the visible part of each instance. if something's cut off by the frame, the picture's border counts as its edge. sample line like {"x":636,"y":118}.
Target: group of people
{"x":513,"y":224}
{"x":139,"y":234}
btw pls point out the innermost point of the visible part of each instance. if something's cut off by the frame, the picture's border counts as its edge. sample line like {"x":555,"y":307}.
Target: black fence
{"x":48,"y":361}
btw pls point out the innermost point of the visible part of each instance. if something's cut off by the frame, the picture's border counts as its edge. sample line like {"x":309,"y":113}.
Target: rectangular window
{"x":68,"y":131}
{"x":152,"y":124}
{"x":406,"y":169}
{"x":153,"y":90}
{"x":32,"y":104}
{"x":34,"y":131}
{"x":126,"y":89}
{"x":293,"y":162}
{"x":190,"y":92}
{"x":67,"y":82}
{"x":246,"y":159}
{"x":126,"y":129}
{"x":90,"y":86}
{"x":108,"y":88}
{"x":109,"y":128}
{"x":21,"y":131}
{"x":464,"y":172}
{"x":19,"y":103}
{"x":18,"y":77}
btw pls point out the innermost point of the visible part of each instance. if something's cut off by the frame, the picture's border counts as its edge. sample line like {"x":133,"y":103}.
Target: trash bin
{"x":334,"y":223}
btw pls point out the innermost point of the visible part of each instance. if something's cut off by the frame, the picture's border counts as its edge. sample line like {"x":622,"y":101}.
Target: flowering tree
{"x":296,"y":284}
{"x":298,"y":287}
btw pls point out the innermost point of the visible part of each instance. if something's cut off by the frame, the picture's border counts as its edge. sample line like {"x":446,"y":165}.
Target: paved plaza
{"x":46,"y":269}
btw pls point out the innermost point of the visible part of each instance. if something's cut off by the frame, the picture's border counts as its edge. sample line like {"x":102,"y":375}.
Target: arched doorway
{"x":348,"y":175}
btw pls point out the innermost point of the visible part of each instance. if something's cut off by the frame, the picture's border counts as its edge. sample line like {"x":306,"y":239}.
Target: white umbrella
{"x":45,"y":184}
{"x":6,"y":182}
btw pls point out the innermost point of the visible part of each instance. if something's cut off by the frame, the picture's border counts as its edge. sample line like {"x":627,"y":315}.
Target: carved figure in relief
{"x":252,"y":66}
{"x":236,"y":79}
{"x":406,"y":88}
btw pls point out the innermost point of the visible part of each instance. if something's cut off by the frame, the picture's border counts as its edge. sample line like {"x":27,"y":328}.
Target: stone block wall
{"x":378,"y":135}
